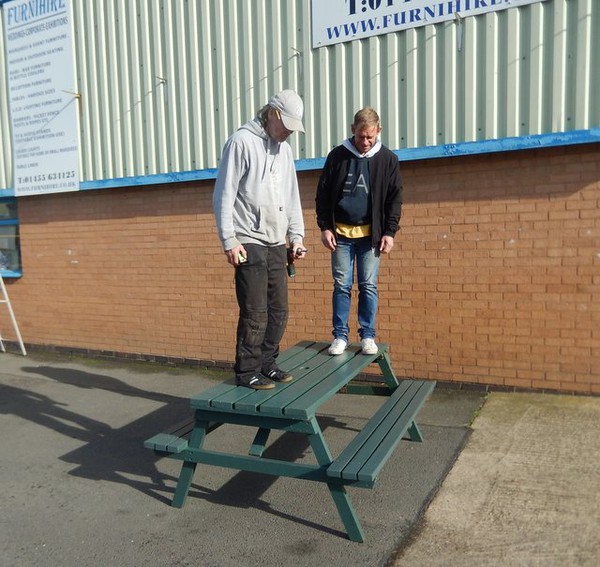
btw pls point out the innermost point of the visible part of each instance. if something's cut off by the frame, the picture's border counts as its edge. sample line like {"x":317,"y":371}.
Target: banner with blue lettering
{"x":42,"y":96}
{"x":336,"y":21}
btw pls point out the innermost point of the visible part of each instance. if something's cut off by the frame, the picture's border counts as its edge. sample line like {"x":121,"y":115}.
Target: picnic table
{"x":293,"y":407}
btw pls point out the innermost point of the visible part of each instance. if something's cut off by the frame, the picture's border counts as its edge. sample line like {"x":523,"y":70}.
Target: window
{"x":10,"y":255}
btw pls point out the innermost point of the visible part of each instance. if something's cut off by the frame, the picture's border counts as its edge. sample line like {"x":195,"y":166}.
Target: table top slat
{"x":301,"y":349}
{"x":317,"y":377}
{"x":307,"y":404}
{"x":229,"y":400}
{"x":305,"y":378}
{"x":270,"y":398}
{"x":203,"y":399}
{"x":227,"y":396}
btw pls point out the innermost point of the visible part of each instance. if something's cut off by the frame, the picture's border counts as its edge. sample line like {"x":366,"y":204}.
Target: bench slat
{"x":172,"y":440}
{"x":377,"y":460}
{"x":166,"y":443}
{"x":366,"y":454}
{"x":175,"y":440}
{"x":370,"y":429}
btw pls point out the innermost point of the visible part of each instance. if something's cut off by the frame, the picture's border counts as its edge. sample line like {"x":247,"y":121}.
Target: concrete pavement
{"x":79,"y":488}
{"x":524,"y":491}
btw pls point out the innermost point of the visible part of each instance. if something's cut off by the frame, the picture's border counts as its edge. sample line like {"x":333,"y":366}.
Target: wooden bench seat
{"x":175,"y":439}
{"x":365,"y":456}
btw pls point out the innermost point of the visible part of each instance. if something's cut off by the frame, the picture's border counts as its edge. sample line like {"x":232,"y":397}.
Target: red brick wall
{"x":494,"y":278}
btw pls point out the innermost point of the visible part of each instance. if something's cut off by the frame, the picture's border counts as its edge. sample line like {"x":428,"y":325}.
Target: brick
{"x":488,"y":283}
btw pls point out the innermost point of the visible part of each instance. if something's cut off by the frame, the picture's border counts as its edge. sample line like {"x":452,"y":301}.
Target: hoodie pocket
{"x":271,"y":224}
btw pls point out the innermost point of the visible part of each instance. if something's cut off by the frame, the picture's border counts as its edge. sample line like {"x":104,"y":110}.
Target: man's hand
{"x":328,"y":239}
{"x":386,"y":245}
{"x":235,"y":255}
{"x":298,"y":250}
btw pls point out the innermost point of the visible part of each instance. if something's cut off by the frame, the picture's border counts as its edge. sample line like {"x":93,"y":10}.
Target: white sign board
{"x":336,"y":21}
{"x":43,"y":102}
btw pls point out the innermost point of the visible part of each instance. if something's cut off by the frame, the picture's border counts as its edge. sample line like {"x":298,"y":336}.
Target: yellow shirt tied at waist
{"x":350,"y":231}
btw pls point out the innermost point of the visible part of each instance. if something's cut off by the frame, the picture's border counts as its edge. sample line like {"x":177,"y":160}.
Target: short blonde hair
{"x":366,"y":118}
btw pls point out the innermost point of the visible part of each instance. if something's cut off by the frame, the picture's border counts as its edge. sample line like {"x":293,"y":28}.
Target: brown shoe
{"x":278,"y":375}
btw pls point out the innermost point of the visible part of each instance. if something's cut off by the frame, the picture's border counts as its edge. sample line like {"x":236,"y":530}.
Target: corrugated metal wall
{"x":5,"y":133}
{"x":164,"y":82}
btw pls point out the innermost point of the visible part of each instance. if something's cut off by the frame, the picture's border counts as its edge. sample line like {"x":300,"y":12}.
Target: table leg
{"x":337,"y":491}
{"x":189,"y":467}
{"x":414,"y":432}
{"x":260,"y":440}
{"x":386,"y":369}
{"x":183,"y":484}
{"x":346,"y":512}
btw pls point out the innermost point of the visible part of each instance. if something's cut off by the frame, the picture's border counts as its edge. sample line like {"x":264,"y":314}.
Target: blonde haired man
{"x":358,"y":205}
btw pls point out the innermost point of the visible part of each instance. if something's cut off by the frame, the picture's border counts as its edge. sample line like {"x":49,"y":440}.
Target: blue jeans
{"x":350,"y":251}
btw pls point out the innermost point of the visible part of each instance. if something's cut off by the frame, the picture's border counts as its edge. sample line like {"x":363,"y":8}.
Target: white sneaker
{"x":338,"y":346}
{"x":369,"y":346}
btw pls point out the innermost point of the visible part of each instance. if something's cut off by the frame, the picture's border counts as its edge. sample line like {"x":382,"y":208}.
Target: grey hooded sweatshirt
{"x":256,"y":198}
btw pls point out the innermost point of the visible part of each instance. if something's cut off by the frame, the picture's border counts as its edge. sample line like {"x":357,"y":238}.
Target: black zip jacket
{"x":386,"y":191}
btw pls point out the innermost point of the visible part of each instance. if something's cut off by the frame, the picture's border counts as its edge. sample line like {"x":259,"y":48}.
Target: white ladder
{"x":12,"y":317}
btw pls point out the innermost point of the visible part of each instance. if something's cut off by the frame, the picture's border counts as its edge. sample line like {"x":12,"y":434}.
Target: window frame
{"x":12,"y":222}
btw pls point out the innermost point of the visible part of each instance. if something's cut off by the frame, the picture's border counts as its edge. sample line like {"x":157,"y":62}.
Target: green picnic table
{"x":293,"y":407}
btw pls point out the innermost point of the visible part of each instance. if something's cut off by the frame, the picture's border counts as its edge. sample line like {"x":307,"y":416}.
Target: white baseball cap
{"x":291,"y":107}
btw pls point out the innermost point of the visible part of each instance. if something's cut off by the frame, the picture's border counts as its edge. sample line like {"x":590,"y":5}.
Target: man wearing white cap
{"x":257,"y":208}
